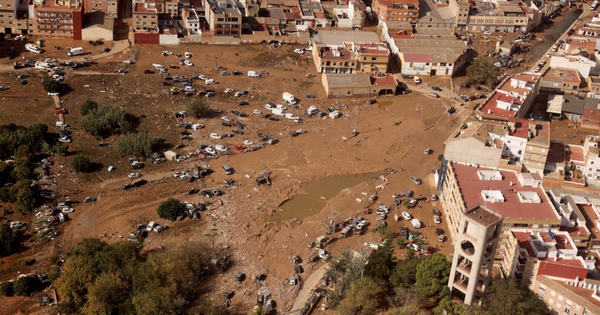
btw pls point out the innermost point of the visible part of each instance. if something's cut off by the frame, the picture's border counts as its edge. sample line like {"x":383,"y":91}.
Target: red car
{"x":240,"y":147}
{"x":60,"y":111}
{"x":148,"y":71}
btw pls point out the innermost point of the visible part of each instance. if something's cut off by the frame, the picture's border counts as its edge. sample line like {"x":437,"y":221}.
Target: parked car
{"x":89,"y":199}
{"x":435,"y":88}
{"x":253,"y":74}
{"x":436,"y":219}
{"x":148,"y":71}
{"x":433,"y":95}
{"x":416,"y":180}
{"x":406,"y":215}
{"x":487,"y":33}
{"x":215,"y":136}
{"x":134,"y":175}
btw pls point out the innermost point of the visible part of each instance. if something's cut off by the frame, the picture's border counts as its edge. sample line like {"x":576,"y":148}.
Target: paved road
{"x":309,"y":284}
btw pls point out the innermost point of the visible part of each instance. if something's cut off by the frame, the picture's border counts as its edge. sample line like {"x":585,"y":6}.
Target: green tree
{"x":8,"y":240}
{"x":50,"y":85}
{"x":108,"y":295}
{"x":138,"y":144}
{"x":88,"y":106}
{"x":106,"y":120}
{"x":406,"y":203}
{"x":405,"y":273}
{"x":262,"y":12}
{"x":81,"y":164}
{"x":448,"y":307}
{"x":198,"y":109}
{"x":506,"y":296}
{"x":406,"y":310}
{"x":23,"y":165}
{"x":25,"y":196}
{"x":401,"y":243}
{"x":440,"y":157}
{"x":482,"y":71}
{"x":410,"y":253}
{"x":364,"y":297}
{"x":432,"y":274}
{"x":24,"y":286}
{"x":6,"y":288}
{"x":170,"y":209}
{"x":381,"y":263}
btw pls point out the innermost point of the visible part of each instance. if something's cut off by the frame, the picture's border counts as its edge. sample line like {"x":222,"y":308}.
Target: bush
{"x":170,"y":209}
{"x":88,"y":106}
{"x":199,"y":109}
{"x":50,"y":85}
{"x":138,"y":144}
{"x":107,"y":120}
{"x":81,"y":164}
{"x":8,"y":240}
{"x":6,"y":288}
{"x":13,"y":136}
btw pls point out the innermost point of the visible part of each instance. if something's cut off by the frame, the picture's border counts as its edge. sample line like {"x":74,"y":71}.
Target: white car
{"x":210,"y":150}
{"x":221,"y":148}
{"x":201,"y":77}
{"x":188,"y":63}
{"x":167,"y":53}
{"x":436,"y":219}
{"x":299,"y":51}
{"x":279,"y":106}
{"x":134,"y":175}
{"x":228,"y":90}
{"x":269,"y":106}
{"x":65,"y":139}
{"x":253,"y":74}
{"x":189,"y":89}
{"x":417,"y":80}
{"x":414,"y":247}
{"x":188,"y":55}
{"x":248,"y":142}
{"x":256,"y":112}
{"x":215,"y":136}
{"x":548,"y":55}
{"x":67,"y":210}
{"x":225,"y":118}
{"x":406,"y":215}
{"x":181,"y":158}
{"x":487,"y":33}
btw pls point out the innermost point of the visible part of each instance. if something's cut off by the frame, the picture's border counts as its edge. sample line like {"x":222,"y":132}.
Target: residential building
{"x":474,"y":252}
{"x":476,"y":144}
{"x":560,"y":81}
{"x":397,"y":10}
{"x":572,"y":296}
{"x":593,"y":84}
{"x":578,"y":212}
{"x":512,"y":98}
{"x":224,"y":17}
{"x":578,"y":55}
{"x":428,"y":51}
{"x":145,"y":15}
{"x":501,"y":16}
{"x":58,"y":18}
{"x":592,"y":162}
{"x":349,"y":52}
{"x":564,"y":162}
{"x":343,"y":85}
{"x":570,"y":106}
{"x":110,"y":7}
{"x":518,"y":198}
{"x":527,"y":142}
{"x":191,"y":21}
{"x":16,"y":17}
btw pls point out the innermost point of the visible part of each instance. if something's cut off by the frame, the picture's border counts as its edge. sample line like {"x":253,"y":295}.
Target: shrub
{"x":50,"y":85}
{"x":199,"y":109}
{"x":24,"y":286}
{"x":107,"y":120}
{"x":170,"y":209}
{"x":482,"y":71}
{"x":6,"y":288}
{"x":138,"y":144}
{"x":88,"y":106}
{"x":81,"y":164}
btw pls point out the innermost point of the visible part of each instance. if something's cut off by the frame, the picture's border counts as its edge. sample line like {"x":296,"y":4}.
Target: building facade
{"x":397,"y":10}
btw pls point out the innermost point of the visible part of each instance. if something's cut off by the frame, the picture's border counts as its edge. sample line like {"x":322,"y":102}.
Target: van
{"x":288,"y":97}
{"x":210,"y":81}
{"x":227,"y":169}
{"x":278,"y":112}
{"x":253,"y":74}
{"x":76,"y":51}
{"x":33,"y":48}
{"x":416,"y":223}
{"x":417,"y":80}
{"x":335,"y":114}
{"x":157,"y":66}
{"x":312,"y":110}
{"x":61,"y":124}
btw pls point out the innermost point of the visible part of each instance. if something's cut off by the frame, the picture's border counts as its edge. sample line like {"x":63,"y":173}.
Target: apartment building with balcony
{"x":591,"y":170}
{"x":145,"y":16}
{"x":518,"y":198}
{"x":58,"y":18}
{"x":224,"y":17}
{"x":397,"y":10}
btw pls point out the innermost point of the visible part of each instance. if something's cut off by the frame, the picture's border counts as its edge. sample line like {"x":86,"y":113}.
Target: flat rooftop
{"x":224,"y":7}
{"x":562,"y":75}
{"x":563,"y":268}
{"x":482,"y":215}
{"x":491,"y":106}
{"x":338,"y":80}
{"x":512,"y":208}
{"x":337,"y":38}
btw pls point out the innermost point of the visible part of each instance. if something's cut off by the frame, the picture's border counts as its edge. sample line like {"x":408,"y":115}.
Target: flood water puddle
{"x":310,"y":201}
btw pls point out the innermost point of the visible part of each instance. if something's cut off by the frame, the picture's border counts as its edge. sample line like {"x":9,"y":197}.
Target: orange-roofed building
{"x":397,"y":10}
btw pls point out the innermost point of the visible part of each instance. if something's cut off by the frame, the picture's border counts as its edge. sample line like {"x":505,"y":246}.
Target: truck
{"x":288,"y":97}
{"x":312,"y":110}
{"x":416,"y":223}
{"x":345,"y":232}
{"x":75,"y":51}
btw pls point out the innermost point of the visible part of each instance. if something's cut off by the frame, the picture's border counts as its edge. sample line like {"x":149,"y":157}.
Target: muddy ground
{"x":391,"y":135}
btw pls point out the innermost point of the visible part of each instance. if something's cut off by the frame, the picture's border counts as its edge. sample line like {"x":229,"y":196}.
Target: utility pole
{"x":334,"y":215}
{"x":355,"y":132}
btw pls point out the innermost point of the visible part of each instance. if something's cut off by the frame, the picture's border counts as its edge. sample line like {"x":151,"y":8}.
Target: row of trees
{"x":380,"y":282}
{"x":23,"y":286}
{"x":13,"y":136}
{"x":117,"y":279}
{"x":8,"y":240}
{"x":20,"y":173}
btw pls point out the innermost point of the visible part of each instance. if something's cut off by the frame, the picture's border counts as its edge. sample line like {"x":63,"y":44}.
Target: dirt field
{"x":391,"y":136}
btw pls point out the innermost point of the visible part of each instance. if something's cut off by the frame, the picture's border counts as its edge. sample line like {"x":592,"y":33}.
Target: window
{"x":553,"y":293}
{"x":566,"y":311}
{"x":373,"y":58}
{"x":592,"y":162}
{"x":555,"y":84}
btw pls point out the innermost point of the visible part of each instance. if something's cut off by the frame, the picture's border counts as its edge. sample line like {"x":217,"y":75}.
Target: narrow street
{"x":307,"y":287}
